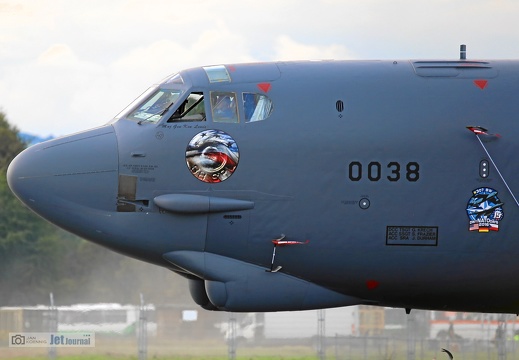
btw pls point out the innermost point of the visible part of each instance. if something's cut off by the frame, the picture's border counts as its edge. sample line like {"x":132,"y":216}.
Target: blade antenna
{"x":477,"y":133}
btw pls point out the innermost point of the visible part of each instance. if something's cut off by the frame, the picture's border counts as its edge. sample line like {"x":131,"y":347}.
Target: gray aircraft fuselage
{"x":302,"y":185}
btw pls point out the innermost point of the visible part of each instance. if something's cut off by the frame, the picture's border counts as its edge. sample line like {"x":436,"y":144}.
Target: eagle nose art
{"x":78,"y":171}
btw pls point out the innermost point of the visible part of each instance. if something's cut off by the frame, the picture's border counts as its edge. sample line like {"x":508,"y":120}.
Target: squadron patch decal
{"x":212,"y":156}
{"x":484,"y":210}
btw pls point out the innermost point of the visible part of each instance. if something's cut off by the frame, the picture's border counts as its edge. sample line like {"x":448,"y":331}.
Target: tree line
{"x":37,"y":258}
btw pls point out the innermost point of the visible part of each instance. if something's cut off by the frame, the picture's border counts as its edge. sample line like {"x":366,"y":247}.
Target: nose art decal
{"x":485,"y":210}
{"x":212,"y":156}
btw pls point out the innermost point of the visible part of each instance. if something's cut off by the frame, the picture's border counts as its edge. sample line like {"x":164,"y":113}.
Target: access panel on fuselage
{"x":227,"y":233}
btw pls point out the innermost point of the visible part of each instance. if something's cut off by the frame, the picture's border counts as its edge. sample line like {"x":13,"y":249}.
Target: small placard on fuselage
{"x":412,"y":235}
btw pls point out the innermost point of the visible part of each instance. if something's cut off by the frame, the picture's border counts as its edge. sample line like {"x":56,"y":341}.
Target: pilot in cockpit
{"x":224,"y":109}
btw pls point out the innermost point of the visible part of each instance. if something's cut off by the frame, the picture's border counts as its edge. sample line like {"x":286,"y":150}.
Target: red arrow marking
{"x":481,"y":83}
{"x":372,"y":284}
{"x":265,"y":87}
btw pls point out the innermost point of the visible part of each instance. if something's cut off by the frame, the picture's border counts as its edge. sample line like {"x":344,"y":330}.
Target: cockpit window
{"x":175,"y":79}
{"x":192,"y":109}
{"x":224,"y":107}
{"x":217,"y":74}
{"x":155,"y":106}
{"x":256,"y":107}
{"x":135,"y":102}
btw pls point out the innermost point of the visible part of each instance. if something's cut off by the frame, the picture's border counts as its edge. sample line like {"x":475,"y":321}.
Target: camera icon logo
{"x":18,"y":340}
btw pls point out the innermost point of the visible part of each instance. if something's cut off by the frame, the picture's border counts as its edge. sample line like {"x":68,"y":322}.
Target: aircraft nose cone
{"x":62,"y":176}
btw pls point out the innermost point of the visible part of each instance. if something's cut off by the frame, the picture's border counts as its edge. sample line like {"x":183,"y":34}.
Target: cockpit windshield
{"x":155,"y":106}
{"x":192,"y":109}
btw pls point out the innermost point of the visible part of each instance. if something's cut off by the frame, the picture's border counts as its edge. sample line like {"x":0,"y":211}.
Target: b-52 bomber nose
{"x":68,"y":178}
{"x":304,"y":185}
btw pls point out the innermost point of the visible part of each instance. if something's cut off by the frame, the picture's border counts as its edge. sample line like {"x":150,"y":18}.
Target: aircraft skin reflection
{"x":379,"y":176}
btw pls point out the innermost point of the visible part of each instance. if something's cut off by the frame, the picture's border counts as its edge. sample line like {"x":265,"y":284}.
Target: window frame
{"x":182,"y":117}
{"x":235,"y":116}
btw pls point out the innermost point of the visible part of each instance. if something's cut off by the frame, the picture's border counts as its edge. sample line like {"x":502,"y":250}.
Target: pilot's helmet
{"x":226,"y":102}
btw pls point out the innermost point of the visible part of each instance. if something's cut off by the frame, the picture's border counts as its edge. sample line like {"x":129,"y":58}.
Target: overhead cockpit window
{"x":155,"y":106}
{"x":175,"y":79}
{"x":192,"y":109}
{"x":256,"y":107}
{"x":217,"y":74}
{"x":224,"y":107}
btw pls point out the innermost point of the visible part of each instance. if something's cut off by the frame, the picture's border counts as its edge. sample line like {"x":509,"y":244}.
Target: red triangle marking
{"x":481,"y":83}
{"x":232,"y":68}
{"x":265,"y":87}
{"x":372,"y":284}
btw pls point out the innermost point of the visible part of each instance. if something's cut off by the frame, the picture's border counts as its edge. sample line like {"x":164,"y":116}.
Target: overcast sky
{"x":68,"y":65}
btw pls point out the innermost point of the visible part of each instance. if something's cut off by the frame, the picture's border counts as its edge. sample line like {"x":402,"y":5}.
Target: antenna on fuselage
{"x":463,"y":52}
